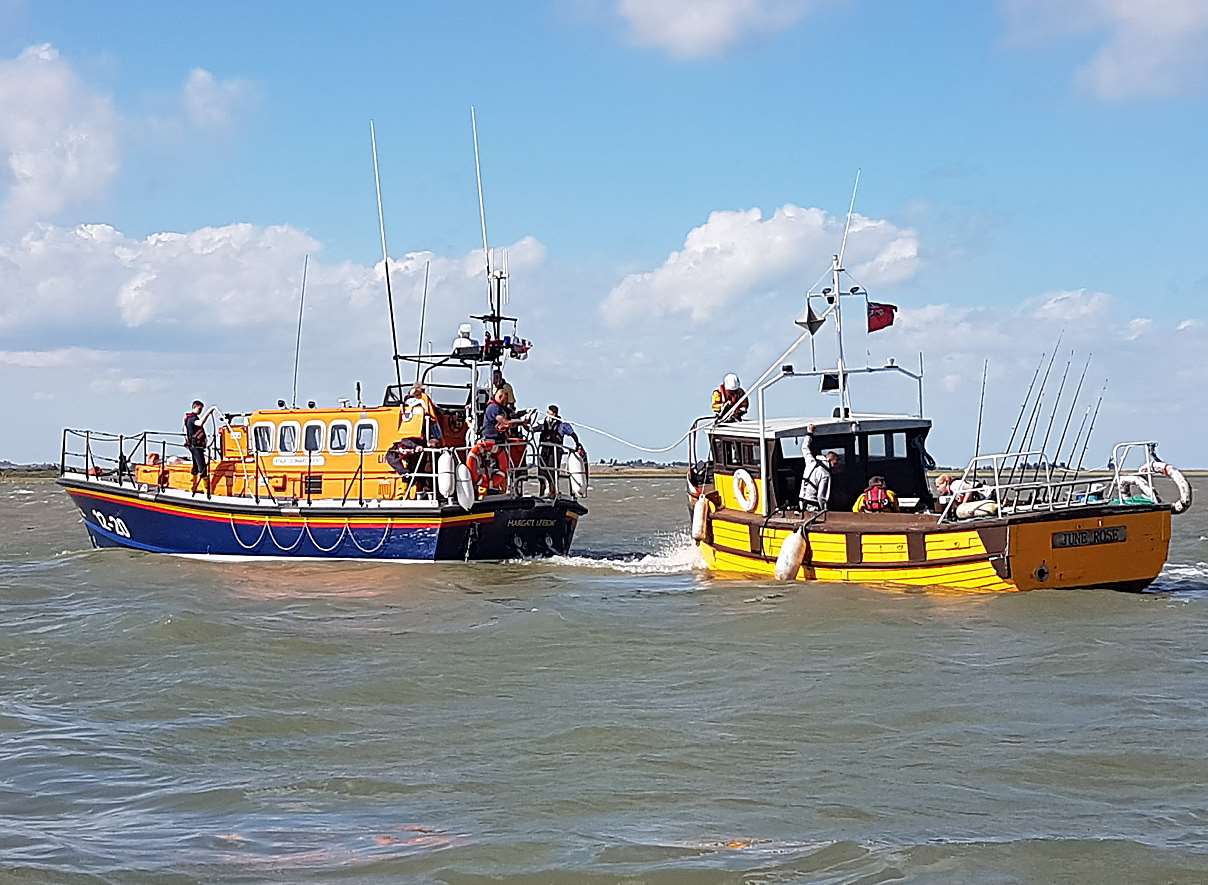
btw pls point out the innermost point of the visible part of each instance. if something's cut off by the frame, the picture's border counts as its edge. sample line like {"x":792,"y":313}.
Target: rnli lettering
{"x":531,"y":523}
{"x":1111,"y":534}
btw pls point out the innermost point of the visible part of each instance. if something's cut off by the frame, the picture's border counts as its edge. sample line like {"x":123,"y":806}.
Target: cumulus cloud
{"x":1071,"y":306}
{"x":58,"y":137}
{"x":1148,"y":49}
{"x":211,"y":103}
{"x":241,"y":280}
{"x":696,"y":28}
{"x":56,"y":358}
{"x":739,"y":253}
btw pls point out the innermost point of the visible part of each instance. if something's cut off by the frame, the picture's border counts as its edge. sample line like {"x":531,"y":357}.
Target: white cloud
{"x":238,"y":282}
{"x":1137,"y":327}
{"x":696,"y":28}
{"x":741,"y":253}
{"x":211,"y":103}
{"x":58,"y":137}
{"x":1073,"y":305}
{"x":1152,"y":48}
{"x":57,"y":358}
{"x":1188,"y":325}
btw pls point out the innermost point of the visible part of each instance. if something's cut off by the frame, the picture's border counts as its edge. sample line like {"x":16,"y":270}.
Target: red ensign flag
{"x":880,"y":315}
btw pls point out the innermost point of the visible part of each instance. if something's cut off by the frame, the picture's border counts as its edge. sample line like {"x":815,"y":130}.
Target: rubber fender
{"x":792,"y":554}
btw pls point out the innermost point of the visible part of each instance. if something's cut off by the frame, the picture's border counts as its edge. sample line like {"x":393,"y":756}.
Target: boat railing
{"x":111,"y":456}
{"x":1005,"y":483}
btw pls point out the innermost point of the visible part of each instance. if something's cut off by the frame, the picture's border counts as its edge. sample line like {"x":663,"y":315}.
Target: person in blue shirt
{"x":497,"y":421}
{"x":552,"y":434}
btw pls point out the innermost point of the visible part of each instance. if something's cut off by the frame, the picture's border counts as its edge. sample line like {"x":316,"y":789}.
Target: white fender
{"x":745,"y":490}
{"x":792,"y":554}
{"x":1175,"y":476}
{"x":971,"y":509}
{"x":1141,"y":484}
{"x":700,"y":519}
{"x":578,"y":474}
{"x":446,"y":474}
{"x":464,"y":487}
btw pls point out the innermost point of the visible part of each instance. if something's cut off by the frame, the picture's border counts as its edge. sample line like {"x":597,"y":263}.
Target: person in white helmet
{"x":730,"y":401}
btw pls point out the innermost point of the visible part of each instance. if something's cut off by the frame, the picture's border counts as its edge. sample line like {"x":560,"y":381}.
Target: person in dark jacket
{"x":195,"y":442}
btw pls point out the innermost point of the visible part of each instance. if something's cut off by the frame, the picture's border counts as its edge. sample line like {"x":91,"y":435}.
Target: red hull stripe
{"x":246,"y":519}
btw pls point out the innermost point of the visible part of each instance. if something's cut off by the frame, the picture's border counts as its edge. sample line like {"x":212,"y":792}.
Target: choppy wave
{"x":677,"y":556}
{"x":1180,"y":577}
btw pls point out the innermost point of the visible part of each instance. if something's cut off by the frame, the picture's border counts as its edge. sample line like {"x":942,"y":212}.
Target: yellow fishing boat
{"x":1015,"y":520}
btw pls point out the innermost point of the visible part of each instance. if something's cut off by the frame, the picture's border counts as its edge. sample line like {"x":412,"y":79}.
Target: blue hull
{"x":121,"y":517}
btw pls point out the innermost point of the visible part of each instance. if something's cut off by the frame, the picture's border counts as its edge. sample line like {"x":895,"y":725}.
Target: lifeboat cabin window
{"x":312,"y":436}
{"x":262,"y":436}
{"x":337,"y":436}
{"x":366,"y":437}
{"x":287,"y":437}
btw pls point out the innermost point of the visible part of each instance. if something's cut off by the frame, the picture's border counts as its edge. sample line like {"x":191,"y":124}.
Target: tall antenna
{"x":423,"y":315}
{"x":850,"y":209}
{"x":482,"y":211}
{"x":377,"y":183}
{"x":298,"y":343}
{"x":981,"y":402}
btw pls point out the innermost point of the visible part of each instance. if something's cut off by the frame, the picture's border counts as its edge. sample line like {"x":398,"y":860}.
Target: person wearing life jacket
{"x":948,"y":487}
{"x":418,"y":398}
{"x":496,"y":422}
{"x":551,"y":436}
{"x":195,"y":442}
{"x":816,"y":478}
{"x":876,"y":498}
{"x":730,"y":402}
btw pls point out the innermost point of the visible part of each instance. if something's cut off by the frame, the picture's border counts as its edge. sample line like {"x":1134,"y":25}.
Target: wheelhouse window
{"x":287,"y":437}
{"x":262,"y":437}
{"x":337,"y":436}
{"x":312,"y":436}
{"x":366,"y":436}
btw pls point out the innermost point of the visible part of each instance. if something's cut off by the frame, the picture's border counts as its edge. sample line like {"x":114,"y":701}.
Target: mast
{"x":493,"y":283}
{"x":293,"y":400}
{"x":844,"y":397}
{"x":377,"y":182}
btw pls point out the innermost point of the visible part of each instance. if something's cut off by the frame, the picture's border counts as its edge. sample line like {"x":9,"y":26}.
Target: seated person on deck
{"x":876,"y":498}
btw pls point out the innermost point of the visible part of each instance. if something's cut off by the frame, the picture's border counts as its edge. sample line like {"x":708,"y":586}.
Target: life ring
{"x":745,"y":490}
{"x":1176,"y":476}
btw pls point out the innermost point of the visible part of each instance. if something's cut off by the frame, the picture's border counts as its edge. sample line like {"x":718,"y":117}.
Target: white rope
{"x":255,"y":543}
{"x":626,"y":442}
{"x":277,"y":544}
{"x":317,"y":545}
{"x":385,"y":535}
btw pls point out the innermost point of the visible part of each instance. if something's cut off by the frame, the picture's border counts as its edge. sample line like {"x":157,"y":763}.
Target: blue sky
{"x":1030,"y":166}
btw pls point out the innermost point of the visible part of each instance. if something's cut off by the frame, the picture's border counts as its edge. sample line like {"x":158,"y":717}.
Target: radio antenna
{"x":482,"y":211}
{"x":298,"y":343}
{"x":423,"y":315}
{"x":377,"y":183}
{"x":847,"y":225}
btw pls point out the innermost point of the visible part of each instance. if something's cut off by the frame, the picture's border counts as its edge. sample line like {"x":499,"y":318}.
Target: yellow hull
{"x":1110,"y":547}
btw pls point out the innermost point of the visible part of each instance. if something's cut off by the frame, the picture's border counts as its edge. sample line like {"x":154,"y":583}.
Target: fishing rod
{"x":377,"y":183}
{"x":1070,"y":415}
{"x":1074,"y":447}
{"x":298,"y":342}
{"x":1025,"y":442}
{"x":1024,"y":405}
{"x":1053,"y":416}
{"x":423,"y":313}
{"x":981,"y":402}
{"x":1087,"y":442}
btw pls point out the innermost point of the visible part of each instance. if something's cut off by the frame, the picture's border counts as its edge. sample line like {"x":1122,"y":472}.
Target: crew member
{"x":500,"y":384}
{"x":418,"y":398}
{"x":947,"y":487}
{"x":195,"y":442}
{"x":496,"y":422}
{"x":876,"y":498}
{"x":816,"y":479}
{"x":552,"y":433}
{"x":730,"y":402}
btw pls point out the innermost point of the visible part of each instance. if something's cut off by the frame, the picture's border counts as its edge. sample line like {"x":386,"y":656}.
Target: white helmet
{"x":730,"y":382}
